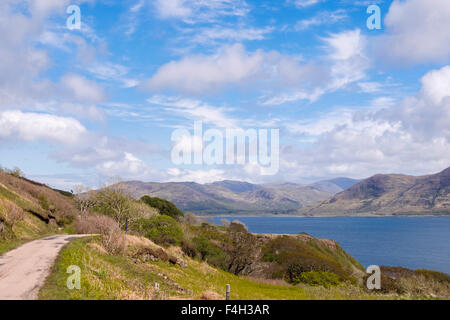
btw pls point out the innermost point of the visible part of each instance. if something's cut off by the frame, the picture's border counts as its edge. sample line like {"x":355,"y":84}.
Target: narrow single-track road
{"x":24,"y":269}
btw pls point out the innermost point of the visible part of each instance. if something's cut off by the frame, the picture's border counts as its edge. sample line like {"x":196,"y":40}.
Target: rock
{"x":182,"y":263}
{"x":173,"y":260}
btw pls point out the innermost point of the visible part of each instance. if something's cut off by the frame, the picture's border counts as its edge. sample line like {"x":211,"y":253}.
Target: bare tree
{"x":85,"y":199}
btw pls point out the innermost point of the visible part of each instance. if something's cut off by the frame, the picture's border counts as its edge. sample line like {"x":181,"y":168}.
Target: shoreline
{"x":322,"y":216}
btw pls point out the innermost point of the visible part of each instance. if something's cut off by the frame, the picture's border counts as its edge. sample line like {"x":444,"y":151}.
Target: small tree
{"x":242,"y":249}
{"x":113,"y":203}
{"x":85,"y":199}
{"x":163,"y":230}
{"x":165,"y":207}
{"x":16,"y":172}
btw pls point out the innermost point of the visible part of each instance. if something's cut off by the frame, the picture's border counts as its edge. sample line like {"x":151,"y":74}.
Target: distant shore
{"x":321,"y":216}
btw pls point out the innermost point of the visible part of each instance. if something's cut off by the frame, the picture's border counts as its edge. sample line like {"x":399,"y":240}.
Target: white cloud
{"x":83,"y":89}
{"x":192,"y":11}
{"x":417,"y":32}
{"x":346,"y":63}
{"x":436,"y":85}
{"x":322,"y":18}
{"x":370,"y":87}
{"x":199,"y":73}
{"x":210,"y":36}
{"x":233,"y":65}
{"x":129,"y":166}
{"x":195,"y":110}
{"x":199,"y":176}
{"x":34,"y":126}
{"x":411,"y":136}
{"x":138,"y":6}
{"x":305,"y":3}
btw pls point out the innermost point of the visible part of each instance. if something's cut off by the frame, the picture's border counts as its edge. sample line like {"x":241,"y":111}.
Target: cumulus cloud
{"x":411,"y":136}
{"x":199,"y":176}
{"x":34,"y":126}
{"x":346,"y":63}
{"x":417,"y":32}
{"x":436,"y":85}
{"x":200,"y":73}
{"x":24,"y":60}
{"x":76,"y":145}
{"x":83,"y":89}
{"x":128,"y":165}
{"x":234,"y":65}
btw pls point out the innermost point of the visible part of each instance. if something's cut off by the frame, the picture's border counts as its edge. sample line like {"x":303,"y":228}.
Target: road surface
{"x":24,"y":269}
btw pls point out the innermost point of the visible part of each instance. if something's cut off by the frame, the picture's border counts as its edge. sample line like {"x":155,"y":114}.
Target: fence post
{"x":227,"y":292}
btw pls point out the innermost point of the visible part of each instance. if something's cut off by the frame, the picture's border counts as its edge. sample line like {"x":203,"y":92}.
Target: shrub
{"x":434,"y":275}
{"x":13,"y":214}
{"x":318,"y":278}
{"x":43,"y":201}
{"x":165,"y":207}
{"x":141,"y":210}
{"x":190,"y":219}
{"x":189,"y":249}
{"x":163,"y":230}
{"x":211,"y":253}
{"x":112,"y":238}
{"x":296,"y":256}
{"x":91,"y":224}
{"x":16,"y":172}
{"x":237,"y":226}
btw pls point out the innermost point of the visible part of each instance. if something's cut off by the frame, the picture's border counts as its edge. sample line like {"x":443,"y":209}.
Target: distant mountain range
{"x":236,"y":197}
{"x":335,"y":185}
{"x":382,"y":194}
{"x":390,"y":194}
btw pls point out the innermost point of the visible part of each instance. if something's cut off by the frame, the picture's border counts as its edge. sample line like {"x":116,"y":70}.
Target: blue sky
{"x":83,"y":106}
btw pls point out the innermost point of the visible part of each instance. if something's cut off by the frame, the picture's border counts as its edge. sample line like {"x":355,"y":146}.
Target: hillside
{"x":390,"y":194}
{"x":29,"y":210}
{"x":148,"y":271}
{"x":230,"y":197}
{"x":186,"y":257}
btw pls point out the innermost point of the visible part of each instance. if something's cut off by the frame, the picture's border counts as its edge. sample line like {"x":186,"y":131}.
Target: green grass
{"x":20,"y":201}
{"x":114,"y":277}
{"x":29,"y":229}
{"x":9,"y":245}
{"x":103,"y":277}
{"x":200,"y":278}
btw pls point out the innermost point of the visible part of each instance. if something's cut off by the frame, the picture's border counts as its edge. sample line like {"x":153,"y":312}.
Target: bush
{"x":12,"y":214}
{"x":16,"y":172}
{"x":165,"y":207}
{"x":112,"y":238}
{"x":211,"y":253}
{"x":92,"y":224}
{"x":318,"y":278}
{"x":163,"y":230}
{"x":434,"y":275}
{"x":189,"y":249}
{"x":296,"y":257}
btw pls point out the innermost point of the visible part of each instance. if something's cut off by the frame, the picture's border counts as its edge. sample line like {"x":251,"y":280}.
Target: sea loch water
{"x":415,"y":243}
